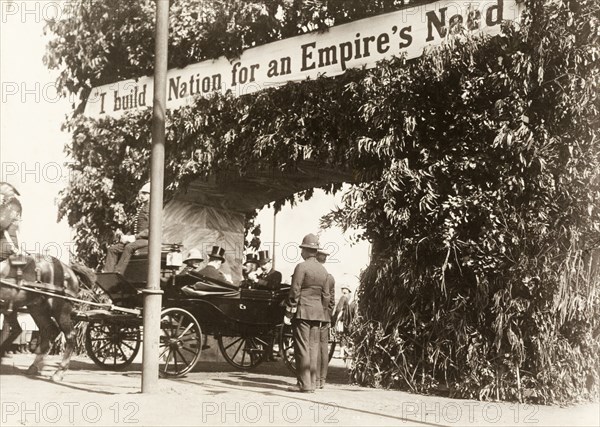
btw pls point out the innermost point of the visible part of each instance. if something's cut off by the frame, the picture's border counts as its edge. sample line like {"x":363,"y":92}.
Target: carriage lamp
{"x":174,"y":257}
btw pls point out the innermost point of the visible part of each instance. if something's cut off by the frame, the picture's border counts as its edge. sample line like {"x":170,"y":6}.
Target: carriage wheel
{"x":180,"y":342}
{"x":245,"y":352}
{"x":286,"y":346}
{"x":112,"y":346}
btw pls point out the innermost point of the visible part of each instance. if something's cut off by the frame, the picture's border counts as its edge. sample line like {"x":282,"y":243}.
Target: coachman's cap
{"x":251,"y":258}
{"x":310,"y":241}
{"x":217,"y":253}
{"x":145,"y":188}
{"x":263,"y":257}
{"x":194,"y":255}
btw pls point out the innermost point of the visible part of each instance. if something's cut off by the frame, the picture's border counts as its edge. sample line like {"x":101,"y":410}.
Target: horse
{"x":48,"y":308}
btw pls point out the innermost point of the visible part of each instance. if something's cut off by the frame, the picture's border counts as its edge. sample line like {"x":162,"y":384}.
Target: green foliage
{"x":479,"y":183}
{"x":485,"y":220}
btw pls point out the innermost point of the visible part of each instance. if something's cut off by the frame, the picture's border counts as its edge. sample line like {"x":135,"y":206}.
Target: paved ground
{"x":215,"y":394}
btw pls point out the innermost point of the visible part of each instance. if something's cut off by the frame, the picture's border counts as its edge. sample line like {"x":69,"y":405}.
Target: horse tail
{"x":86,"y":276}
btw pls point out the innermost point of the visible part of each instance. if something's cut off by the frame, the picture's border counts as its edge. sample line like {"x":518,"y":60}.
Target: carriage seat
{"x":137,"y":270}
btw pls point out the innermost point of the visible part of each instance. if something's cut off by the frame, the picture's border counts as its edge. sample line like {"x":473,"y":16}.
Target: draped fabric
{"x":203,"y":286}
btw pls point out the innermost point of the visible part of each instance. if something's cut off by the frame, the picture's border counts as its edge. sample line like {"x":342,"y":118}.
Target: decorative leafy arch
{"x":478,"y":168}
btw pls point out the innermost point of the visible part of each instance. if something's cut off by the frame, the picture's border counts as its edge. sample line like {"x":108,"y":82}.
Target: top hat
{"x":310,"y":241}
{"x":217,"y":253}
{"x":251,"y":258}
{"x":194,"y":255}
{"x":263,"y":257}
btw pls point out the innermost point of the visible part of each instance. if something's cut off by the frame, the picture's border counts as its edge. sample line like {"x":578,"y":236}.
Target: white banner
{"x":357,"y":44}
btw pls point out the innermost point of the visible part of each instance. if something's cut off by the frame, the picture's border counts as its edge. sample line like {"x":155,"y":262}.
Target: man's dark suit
{"x":309,"y":283}
{"x":271,"y":280}
{"x":328,"y":300}
{"x":212,"y":273}
{"x":141,"y":231}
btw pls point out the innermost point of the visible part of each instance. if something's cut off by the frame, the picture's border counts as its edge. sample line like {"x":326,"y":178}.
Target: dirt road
{"x":215,"y":394}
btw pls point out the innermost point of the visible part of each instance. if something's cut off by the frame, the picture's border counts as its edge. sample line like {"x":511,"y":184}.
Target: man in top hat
{"x":309,"y":282}
{"x":269,"y":277}
{"x":192,"y":262}
{"x":129,"y":243}
{"x":216,"y":258}
{"x":250,"y":270}
{"x":328,"y":300}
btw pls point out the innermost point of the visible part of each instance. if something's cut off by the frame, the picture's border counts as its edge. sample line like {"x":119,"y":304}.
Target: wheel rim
{"x":180,"y":342}
{"x":286,"y":346}
{"x":112,"y":346}
{"x":244,"y":352}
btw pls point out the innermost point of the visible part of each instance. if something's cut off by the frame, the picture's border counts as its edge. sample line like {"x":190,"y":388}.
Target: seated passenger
{"x":269,"y":278}
{"x":215,"y":261}
{"x":250,"y":271}
{"x":129,"y":243}
{"x":193,"y":262}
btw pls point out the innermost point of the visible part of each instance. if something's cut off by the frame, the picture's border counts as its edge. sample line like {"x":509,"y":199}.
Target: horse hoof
{"x":33,"y":370}
{"x":58,"y":377}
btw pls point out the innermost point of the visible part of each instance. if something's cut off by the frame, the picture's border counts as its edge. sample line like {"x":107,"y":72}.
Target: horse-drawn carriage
{"x":246,"y":323}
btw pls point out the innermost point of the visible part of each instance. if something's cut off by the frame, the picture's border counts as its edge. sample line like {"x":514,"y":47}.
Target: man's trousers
{"x":126,"y":250}
{"x":306,"y":352}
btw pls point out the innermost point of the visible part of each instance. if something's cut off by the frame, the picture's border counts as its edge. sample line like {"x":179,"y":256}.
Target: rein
{"x":52,"y":294}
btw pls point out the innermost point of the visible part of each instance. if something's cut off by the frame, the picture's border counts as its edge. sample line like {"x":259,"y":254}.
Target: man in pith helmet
{"x":306,"y":313}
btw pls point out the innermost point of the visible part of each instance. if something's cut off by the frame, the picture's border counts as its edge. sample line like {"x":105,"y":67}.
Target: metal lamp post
{"x":152,"y":292}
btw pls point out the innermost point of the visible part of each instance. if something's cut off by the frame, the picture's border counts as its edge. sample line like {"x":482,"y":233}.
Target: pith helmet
{"x":310,"y":241}
{"x":322,"y":251}
{"x":194,"y":255}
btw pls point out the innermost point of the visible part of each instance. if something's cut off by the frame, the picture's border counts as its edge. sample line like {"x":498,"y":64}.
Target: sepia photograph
{"x":300,"y":212}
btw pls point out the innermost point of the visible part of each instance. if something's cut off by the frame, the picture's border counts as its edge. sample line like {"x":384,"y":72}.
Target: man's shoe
{"x":297,"y":389}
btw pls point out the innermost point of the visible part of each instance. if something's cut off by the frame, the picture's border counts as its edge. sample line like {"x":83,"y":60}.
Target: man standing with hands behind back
{"x":309,"y":283}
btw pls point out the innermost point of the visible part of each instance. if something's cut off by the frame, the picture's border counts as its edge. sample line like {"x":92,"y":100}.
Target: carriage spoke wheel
{"x":286,"y":346}
{"x":112,"y":346}
{"x":180,"y":342}
{"x":245,"y":352}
